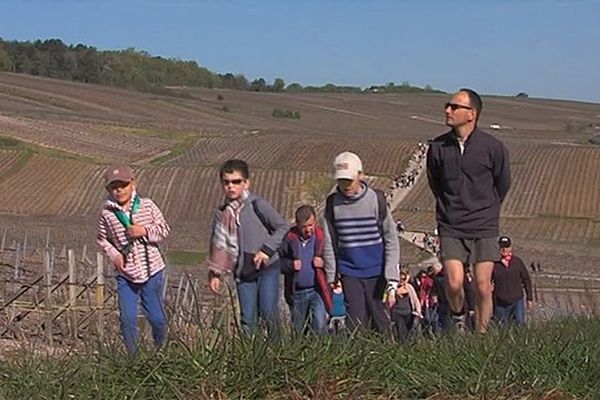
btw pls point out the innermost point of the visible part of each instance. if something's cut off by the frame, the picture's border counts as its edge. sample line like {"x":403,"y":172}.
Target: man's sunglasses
{"x":454,"y":106}
{"x":232,"y":181}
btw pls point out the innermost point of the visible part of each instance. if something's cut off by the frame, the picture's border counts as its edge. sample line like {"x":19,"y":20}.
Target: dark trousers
{"x":404,"y":325}
{"x":364,"y":306}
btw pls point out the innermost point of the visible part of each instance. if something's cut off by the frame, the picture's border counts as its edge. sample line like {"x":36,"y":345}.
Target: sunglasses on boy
{"x":238,"y":181}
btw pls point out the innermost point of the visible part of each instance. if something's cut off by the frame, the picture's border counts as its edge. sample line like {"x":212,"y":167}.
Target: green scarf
{"x":122,"y":216}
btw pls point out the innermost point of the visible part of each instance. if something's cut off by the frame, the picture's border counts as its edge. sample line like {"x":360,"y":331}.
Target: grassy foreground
{"x":557,"y":360}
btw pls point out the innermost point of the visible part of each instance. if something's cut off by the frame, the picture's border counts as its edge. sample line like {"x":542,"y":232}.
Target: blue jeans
{"x":512,"y":313}
{"x":260,"y":299}
{"x":308,"y":306}
{"x":150,"y":294}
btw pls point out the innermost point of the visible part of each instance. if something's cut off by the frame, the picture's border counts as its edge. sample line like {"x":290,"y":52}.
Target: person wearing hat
{"x":129,"y":230}
{"x":511,"y":278}
{"x":469,"y":175}
{"x":361,"y":246}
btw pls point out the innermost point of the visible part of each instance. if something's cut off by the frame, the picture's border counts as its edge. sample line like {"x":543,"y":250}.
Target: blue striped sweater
{"x":362,"y":251}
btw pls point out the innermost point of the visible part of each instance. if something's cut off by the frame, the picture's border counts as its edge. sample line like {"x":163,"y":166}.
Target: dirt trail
{"x":398,"y":194}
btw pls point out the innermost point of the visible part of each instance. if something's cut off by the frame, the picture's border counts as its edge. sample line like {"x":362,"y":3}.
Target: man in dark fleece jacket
{"x":469,"y":175}
{"x":510,"y":278}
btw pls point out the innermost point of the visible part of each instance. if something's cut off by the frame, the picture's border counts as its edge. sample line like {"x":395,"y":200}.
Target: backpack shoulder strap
{"x":329,"y":220}
{"x":381,"y":208}
{"x":262,"y":217}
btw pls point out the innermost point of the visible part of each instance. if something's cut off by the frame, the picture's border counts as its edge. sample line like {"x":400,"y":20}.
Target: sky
{"x":547,"y":49}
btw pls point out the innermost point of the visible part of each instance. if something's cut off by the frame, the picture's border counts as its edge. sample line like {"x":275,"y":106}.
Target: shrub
{"x":285,"y":113}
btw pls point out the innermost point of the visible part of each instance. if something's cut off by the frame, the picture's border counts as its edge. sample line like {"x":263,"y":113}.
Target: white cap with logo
{"x":346,"y":165}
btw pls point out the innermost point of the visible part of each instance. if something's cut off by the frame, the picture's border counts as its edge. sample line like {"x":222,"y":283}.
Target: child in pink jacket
{"x":129,"y":230}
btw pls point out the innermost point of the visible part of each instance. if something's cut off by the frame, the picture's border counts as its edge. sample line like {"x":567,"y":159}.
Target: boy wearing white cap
{"x":361,"y":245}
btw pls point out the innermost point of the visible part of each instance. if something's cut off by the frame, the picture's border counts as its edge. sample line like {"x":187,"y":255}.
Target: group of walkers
{"x":354,"y":251}
{"x":409,"y":177}
{"x":512,"y":295}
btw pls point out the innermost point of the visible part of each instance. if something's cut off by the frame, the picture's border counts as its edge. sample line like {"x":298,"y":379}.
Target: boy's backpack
{"x":262,"y":217}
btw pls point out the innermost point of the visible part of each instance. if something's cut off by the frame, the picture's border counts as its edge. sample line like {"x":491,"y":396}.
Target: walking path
{"x":399,"y":193}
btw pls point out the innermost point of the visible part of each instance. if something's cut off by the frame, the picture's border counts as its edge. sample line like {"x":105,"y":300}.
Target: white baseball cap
{"x":346,"y":165}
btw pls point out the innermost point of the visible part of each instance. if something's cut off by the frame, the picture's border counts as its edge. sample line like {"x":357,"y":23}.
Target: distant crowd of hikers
{"x":341,"y":275}
{"x":408,"y":178}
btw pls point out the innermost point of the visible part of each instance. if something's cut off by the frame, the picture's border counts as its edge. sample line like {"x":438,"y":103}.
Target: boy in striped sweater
{"x":128,"y":232}
{"x":361,"y":246}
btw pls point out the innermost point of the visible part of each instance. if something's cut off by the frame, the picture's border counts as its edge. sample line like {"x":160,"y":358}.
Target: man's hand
{"x":119,"y":263}
{"x":260,"y":259}
{"x":391,"y":299}
{"x":529,"y":305}
{"x":318,"y":262}
{"x":136,"y":231}
{"x":297,"y":265}
{"x":214,"y":284}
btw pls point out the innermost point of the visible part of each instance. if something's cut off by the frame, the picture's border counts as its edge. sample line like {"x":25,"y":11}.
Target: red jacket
{"x":290,"y":251}
{"x":425,"y":287}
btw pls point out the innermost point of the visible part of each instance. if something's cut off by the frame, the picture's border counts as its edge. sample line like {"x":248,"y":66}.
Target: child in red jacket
{"x":306,"y":289}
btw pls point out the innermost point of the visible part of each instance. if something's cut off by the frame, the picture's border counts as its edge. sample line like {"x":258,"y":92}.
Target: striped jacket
{"x":142,"y":256}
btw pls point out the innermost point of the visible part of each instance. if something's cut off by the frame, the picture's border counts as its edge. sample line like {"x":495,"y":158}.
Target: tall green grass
{"x":556,"y":360}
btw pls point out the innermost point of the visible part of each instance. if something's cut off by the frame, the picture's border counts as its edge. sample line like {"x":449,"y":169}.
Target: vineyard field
{"x":177,"y":139}
{"x":7,"y":159}
{"x":73,"y":193}
{"x":90,"y":140}
{"x":288,"y":152}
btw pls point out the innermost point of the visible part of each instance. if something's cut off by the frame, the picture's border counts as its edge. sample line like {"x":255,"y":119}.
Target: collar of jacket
{"x":294,"y":237}
{"x":246,"y":197}
{"x":454,"y":136}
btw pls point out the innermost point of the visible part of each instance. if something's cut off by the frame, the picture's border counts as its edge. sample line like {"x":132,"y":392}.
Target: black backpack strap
{"x":262,"y":217}
{"x":330,"y":221}
{"x":381,"y":209}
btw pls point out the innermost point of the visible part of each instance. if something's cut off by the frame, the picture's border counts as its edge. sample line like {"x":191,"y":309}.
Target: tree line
{"x":140,"y":70}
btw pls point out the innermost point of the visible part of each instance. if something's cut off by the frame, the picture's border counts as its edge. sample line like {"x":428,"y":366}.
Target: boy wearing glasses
{"x":469,"y":175}
{"x":129,"y":230}
{"x":246,"y":234}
